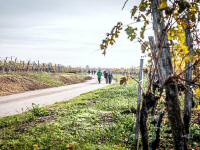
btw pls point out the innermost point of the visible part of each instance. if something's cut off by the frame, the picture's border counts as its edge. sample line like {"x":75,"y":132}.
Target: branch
{"x":124,"y":4}
{"x":196,"y":63}
{"x":191,"y":82}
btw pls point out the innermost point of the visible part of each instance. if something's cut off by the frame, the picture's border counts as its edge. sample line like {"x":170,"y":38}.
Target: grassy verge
{"x":20,"y":82}
{"x":95,"y":120}
{"x":91,"y":121}
{"x":57,"y":79}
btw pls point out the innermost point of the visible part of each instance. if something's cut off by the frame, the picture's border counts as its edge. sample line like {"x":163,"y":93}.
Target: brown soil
{"x":15,"y":84}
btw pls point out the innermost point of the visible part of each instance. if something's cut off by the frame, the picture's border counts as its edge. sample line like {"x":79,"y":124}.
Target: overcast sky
{"x":68,"y":32}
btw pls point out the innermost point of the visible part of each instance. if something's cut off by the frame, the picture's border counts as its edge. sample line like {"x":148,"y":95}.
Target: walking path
{"x":18,"y":103}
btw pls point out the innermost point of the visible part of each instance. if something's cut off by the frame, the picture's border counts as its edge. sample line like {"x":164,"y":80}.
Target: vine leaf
{"x":131,"y":32}
{"x":111,"y":37}
{"x":163,"y":5}
{"x":133,"y":11}
{"x":197,"y":91}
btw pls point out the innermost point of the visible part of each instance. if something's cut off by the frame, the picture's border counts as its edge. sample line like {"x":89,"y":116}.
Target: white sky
{"x":67,"y":32}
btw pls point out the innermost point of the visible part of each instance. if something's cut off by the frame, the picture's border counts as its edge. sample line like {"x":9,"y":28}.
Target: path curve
{"x":18,"y":103}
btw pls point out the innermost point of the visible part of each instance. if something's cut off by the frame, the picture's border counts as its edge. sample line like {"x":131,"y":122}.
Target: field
{"x":96,"y":120}
{"x":17,"y":82}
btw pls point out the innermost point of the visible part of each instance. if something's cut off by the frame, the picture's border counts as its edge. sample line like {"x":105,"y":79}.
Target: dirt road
{"x":18,"y":103}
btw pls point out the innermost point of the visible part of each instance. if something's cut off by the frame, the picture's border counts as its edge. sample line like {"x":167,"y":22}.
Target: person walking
{"x":105,"y":73}
{"x":99,"y":75}
{"x":110,"y":77}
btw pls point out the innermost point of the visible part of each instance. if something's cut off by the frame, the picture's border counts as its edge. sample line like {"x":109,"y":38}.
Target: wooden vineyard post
{"x":49,"y":67}
{"x":20,"y":66}
{"x":154,"y":56}
{"x":27,"y":67}
{"x":43,"y":67}
{"x":15,"y":64}
{"x":10,"y":64}
{"x":33,"y":66}
{"x":55,"y":70}
{"x":188,"y":77}
{"x":5,"y":65}
{"x":23,"y":66}
{"x":137,"y":127}
{"x":38,"y":66}
{"x":166,"y":74}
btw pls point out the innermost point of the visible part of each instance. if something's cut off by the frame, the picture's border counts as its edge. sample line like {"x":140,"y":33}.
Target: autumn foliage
{"x":174,"y":57}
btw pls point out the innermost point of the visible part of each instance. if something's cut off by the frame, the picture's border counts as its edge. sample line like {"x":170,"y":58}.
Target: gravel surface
{"x":18,"y":103}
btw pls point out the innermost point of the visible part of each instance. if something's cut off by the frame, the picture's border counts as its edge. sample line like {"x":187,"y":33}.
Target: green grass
{"x":50,"y":79}
{"x":47,"y":78}
{"x":53,"y":79}
{"x":90,"y":121}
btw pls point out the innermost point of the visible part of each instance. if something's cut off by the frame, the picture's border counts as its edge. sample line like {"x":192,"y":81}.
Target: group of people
{"x":108,"y":76}
{"x":92,"y":72}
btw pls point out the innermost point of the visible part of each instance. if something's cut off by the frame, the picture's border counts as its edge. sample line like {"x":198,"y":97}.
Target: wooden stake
{"x":188,"y":78}
{"x":166,"y":72}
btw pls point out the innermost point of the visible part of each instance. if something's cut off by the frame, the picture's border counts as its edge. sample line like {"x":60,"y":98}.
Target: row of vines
{"x":10,"y":64}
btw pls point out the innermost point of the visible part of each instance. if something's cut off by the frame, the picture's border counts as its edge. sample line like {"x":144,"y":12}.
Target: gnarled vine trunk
{"x":143,"y":125}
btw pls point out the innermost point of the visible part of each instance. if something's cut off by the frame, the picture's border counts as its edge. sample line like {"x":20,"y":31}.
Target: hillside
{"x":12,"y":83}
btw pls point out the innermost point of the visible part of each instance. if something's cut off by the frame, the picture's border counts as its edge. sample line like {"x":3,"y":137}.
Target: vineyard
{"x":11,"y":64}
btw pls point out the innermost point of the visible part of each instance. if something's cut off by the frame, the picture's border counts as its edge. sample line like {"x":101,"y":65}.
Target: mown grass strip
{"x":93,"y":120}
{"x":97,"y":120}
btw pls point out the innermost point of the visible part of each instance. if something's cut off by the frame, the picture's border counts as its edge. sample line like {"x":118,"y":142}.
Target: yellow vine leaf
{"x":195,"y":58}
{"x":198,"y":107}
{"x":185,"y":49}
{"x":170,"y":37}
{"x":197,"y":91}
{"x":184,"y":24}
{"x":163,"y":5}
{"x":187,"y":59}
{"x":193,"y":9}
{"x":178,"y":63}
{"x":182,"y":38}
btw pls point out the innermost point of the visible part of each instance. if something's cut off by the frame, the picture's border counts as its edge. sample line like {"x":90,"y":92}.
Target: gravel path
{"x":18,"y":103}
